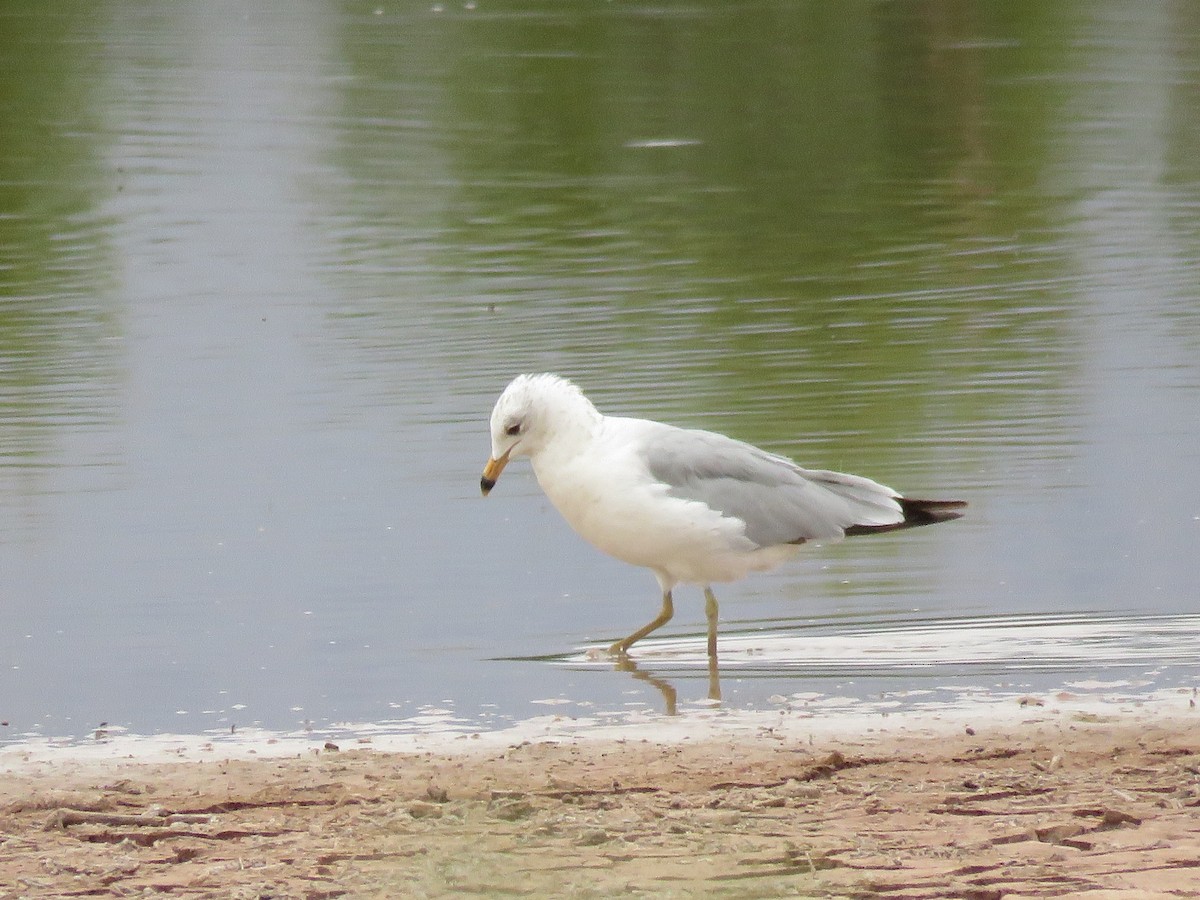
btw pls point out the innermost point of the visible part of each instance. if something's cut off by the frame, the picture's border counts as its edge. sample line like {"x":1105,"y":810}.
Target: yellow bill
{"x":491,"y":472}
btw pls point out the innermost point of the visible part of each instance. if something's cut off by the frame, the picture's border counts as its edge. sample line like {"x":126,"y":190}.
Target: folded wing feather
{"x":779,"y":502}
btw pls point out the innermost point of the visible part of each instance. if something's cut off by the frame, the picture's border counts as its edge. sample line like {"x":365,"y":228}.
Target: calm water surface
{"x":264,"y":269}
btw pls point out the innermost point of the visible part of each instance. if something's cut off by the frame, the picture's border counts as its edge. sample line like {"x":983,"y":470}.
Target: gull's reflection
{"x":669,"y":693}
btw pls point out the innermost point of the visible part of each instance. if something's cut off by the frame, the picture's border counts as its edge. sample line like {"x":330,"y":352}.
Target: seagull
{"x":694,"y":507}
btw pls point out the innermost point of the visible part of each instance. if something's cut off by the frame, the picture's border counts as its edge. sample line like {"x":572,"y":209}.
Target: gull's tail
{"x":916,"y":512}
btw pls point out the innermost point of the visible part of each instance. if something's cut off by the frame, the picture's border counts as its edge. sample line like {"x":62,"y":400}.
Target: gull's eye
{"x":514,"y":428}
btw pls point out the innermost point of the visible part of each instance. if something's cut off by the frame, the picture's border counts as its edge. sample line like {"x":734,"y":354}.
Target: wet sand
{"x":1045,"y":798}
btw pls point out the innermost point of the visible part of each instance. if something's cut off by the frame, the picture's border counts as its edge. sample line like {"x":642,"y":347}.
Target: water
{"x":264,"y":269}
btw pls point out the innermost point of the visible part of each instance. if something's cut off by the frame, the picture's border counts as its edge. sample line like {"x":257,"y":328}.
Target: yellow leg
{"x":710,"y":613}
{"x":664,"y":616}
{"x":714,"y":679}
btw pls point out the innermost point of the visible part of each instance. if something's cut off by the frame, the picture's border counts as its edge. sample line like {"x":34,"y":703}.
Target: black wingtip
{"x":916,"y":513}
{"x":930,"y":512}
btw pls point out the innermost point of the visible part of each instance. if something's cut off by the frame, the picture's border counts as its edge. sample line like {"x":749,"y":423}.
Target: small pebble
{"x":510,"y":812}
{"x":420,"y":809}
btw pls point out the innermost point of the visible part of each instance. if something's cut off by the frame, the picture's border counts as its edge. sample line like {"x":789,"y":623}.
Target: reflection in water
{"x":670,"y":696}
{"x":59,"y":320}
{"x":916,"y":659}
{"x":880,"y":646}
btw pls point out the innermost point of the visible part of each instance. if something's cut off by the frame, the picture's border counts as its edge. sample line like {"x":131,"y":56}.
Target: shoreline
{"x":1085,"y":796}
{"x":806,"y":718}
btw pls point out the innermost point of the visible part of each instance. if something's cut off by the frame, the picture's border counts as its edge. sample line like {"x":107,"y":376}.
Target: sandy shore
{"x":1048,"y":798}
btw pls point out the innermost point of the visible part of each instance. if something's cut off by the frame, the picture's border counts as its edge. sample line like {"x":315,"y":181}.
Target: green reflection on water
{"x":55,"y":269}
{"x":948,"y":245}
{"x":821,"y":219}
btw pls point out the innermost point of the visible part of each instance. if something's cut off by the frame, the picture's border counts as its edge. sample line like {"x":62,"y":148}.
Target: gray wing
{"x":780,"y":502}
